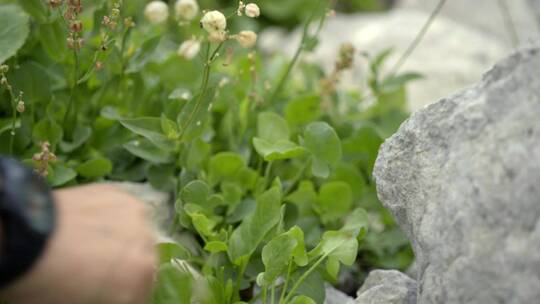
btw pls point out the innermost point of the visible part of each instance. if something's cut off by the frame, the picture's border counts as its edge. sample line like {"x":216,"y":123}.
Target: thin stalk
{"x":418,"y":38}
{"x":236,"y":289}
{"x":287,"y":279}
{"x":71,"y":103}
{"x":264,"y":294}
{"x":13,"y":120}
{"x":122,"y":50}
{"x":204,"y":87}
{"x":297,"y":178}
{"x":273,"y":294}
{"x":305,"y":35}
{"x":267,"y":172}
{"x":509,"y":22}
{"x":94,"y":61}
{"x":302,"y":279}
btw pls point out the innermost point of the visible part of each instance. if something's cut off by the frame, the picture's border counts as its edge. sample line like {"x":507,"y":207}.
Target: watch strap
{"x":27,"y":216}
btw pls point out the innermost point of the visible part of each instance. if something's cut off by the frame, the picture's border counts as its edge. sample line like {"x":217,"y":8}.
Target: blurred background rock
{"x":465,"y":40}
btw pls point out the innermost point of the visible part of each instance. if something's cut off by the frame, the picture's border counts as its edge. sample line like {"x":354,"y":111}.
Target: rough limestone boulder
{"x":462,"y":178}
{"x":387,"y":287}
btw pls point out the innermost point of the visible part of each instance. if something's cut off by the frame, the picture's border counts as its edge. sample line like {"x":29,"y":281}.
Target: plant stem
{"x":13,"y":120}
{"x":284,"y":290}
{"x":305,"y":34}
{"x":264,"y":294}
{"x":122,"y":50}
{"x":414,"y":44}
{"x":204,"y":87}
{"x":236,"y":289}
{"x":509,"y":22}
{"x":297,"y":178}
{"x":71,"y":104}
{"x":302,"y":279}
{"x":273,"y":294}
{"x":267,"y":172}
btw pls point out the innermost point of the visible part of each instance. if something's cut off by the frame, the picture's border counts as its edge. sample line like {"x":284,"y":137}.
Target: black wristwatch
{"x":27,"y":216}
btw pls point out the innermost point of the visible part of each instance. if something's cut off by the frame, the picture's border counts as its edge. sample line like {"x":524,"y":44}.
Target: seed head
{"x":115,"y":12}
{"x":189,"y":49}
{"x":156,"y":12}
{"x":246,"y":39}
{"x":76,"y":26}
{"x":186,"y":10}
{"x":214,"y":22}
{"x":253,"y":10}
{"x":20,"y":106}
{"x":4,"y":68}
{"x":55,"y":3}
{"x":241,"y":7}
{"x":129,"y":23}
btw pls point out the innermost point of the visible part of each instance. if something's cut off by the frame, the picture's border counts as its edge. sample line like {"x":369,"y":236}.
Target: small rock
{"x":334,"y":296}
{"x":387,"y":287}
{"x":462,"y":178}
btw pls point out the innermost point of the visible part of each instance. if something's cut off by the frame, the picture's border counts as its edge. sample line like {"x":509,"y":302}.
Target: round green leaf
{"x":272,"y":127}
{"x":13,"y":30}
{"x":335,"y":200}
{"x":47,"y":130}
{"x":281,"y":149}
{"x":323,"y":142}
{"x":224,"y":165}
{"x":95,"y":168}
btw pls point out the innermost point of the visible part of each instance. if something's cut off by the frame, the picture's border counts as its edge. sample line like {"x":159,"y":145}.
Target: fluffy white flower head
{"x":253,"y":10}
{"x":156,"y":12}
{"x":189,"y":49}
{"x":186,"y":9}
{"x":246,"y":39}
{"x":214,"y":22}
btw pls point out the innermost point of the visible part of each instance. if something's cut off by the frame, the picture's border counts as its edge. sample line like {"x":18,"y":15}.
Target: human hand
{"x":102,"y":251}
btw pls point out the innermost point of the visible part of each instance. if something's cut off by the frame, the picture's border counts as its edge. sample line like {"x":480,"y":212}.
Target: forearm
{"x":91,"y":257}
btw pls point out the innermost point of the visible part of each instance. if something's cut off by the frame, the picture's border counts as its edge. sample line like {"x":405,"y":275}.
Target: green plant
{"x":269,"y":161}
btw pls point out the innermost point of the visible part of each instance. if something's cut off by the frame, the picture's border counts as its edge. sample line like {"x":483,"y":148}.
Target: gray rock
{"x":334,"y":296}
{"x":507,"y":20}
{"x":451,"y":56}
{"x":462,"y":178}
{"x":387,"y":287}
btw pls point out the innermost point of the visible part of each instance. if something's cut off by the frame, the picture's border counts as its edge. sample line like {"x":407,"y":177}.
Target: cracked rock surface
{"x":462,"y":178}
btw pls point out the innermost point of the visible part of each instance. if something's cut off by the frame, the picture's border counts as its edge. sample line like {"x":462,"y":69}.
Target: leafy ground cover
{"x":268,"y":160}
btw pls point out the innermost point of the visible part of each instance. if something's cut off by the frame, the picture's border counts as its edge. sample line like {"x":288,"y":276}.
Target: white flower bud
{"x":156,"y":12}
{"x":246,"y":39}
{"x":214,"y":22}
{"x":217,"y":37}
{"x":21,"y":107}
{"x":253,"y":10}
{"x":186,"y":9}
{"x":189,"y":49}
